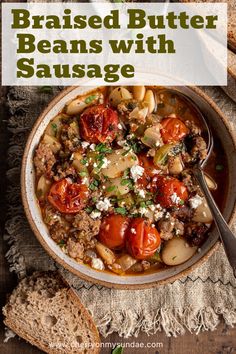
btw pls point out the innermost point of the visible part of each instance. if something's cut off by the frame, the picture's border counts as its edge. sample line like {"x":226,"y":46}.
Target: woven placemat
{"x":196,"y":302}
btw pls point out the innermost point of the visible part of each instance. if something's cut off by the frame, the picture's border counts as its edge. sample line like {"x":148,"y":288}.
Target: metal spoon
{"x":227,"y":237}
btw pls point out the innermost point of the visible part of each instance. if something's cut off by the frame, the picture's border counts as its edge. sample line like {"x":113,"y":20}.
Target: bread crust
{"x":20,"y":331}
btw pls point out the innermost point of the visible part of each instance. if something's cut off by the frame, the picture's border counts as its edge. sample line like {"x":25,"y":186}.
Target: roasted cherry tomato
{"x":169,"y":191}
{"x":142,"y":240}
{"x":112,"y":231}
{"x":149,"y":169}
{"x":173,"y":130}
{"x":68,"y":197}
{"x":147,"y":163}
{"x":98,"y":124}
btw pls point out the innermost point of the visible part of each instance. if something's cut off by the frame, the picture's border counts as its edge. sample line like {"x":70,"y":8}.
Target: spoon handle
{"x":227,"y":237}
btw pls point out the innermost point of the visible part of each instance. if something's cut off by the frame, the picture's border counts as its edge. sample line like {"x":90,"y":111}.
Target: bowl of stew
{"x":108,"y":188}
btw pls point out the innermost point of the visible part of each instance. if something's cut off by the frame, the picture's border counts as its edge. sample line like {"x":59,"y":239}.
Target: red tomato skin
{"x":173,"y":130}
{"x":98,"y":124}
{"x":165,"y":187}
{"x":67,"y":197}
{"x":149,"y":169}
{"x":112,"y":231}
{"x":142,"y":240}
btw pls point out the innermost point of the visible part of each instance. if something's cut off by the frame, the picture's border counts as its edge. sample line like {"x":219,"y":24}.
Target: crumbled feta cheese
{"x":97,"y":263}
{"x":92,"y":147}
{"x":85,"y":180}
{"x":158,"y":214}
{"x":95,"y":165}
{"x":143,"y":211}
{"x":103,"y":205}
{"x":95,"y":214}
{"x":174,"y":198}
{"x":136,"y":171}
{"x":105,"y":162}
{"x":133,"y":231}
{"x":119,"y":126}
{"x":84,"y":144}
{"x":141,"y":192}
{"x":152,"y":207}
{"x":195,"y":201}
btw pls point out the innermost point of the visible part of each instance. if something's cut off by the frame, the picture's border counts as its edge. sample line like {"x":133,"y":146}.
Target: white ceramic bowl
{"x":216,"y":119}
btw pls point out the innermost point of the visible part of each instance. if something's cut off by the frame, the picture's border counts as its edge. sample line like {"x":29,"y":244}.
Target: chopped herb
{"x":111,"y":188}
{"x":126,"y":173}
{"x":84,"y":161}
{"x":94,"y":199}
{"x":124,"y":182}
{"x":126,"y":152}
{"x":136,"y":147}
{"x":94,"y":185}
{"x":101,"y":163}
{"x":149,"y":202}
{"x":89,"y":99}
{"x":54,"y":128}
{"x":143,"y":204}
{"x":181,"y":202}
{"x":89,"y":209}
{"x":100,"y":157}
{"x":219,"y":167}
{"x":45,"y":89}
{"x":103,"y":148}
{"x":121,"y":211}
{"x":113,"y":200}
{"x":118,"y":349}
{"x":61,"y":243}
{"x":83,"y":173}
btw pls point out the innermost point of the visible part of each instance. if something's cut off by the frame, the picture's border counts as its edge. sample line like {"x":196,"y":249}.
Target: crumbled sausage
{"x":64,"y":170}
{"x":188,"y":181}
{"x":85,"y":226}
{"x":127,"y":106}
{"x":199,"y":149}
{"x":146,"y":265}
{"x":44,"y":160}
{"x":193,"y":128}
{"x":75,"y":249}
{"x":170,"y":227}
{"x":51,"y":215}
{"x":59,"y":232}
{"x":196,"y":233}
{"x":70,"y":137}
{"x":184,"y":213}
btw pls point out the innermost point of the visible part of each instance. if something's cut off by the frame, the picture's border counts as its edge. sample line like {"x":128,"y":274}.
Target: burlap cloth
{"x":196,"y":302}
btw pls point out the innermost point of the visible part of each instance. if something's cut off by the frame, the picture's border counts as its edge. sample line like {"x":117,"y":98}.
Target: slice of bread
{"x":46,"y":312}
